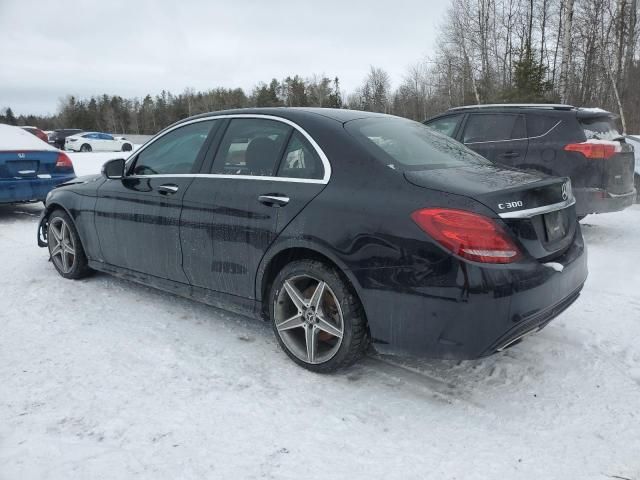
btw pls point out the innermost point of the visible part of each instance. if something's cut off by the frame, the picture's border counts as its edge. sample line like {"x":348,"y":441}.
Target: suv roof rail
{"x":549,"y":106}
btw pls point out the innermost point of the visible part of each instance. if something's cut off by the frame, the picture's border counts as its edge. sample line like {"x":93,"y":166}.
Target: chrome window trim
{"x":239,"y":177}
{"x":532,"y":212}
{"x":518,"y":139}
{"x":321,"y":154}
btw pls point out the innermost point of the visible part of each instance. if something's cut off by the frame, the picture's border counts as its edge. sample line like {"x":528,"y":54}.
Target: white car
{"x":98,"y":142}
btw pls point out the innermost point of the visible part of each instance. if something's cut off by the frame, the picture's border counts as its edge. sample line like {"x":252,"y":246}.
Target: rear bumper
{"x":598,"y":200}
{"x":465,"y":310}
{"x":25,"y":190}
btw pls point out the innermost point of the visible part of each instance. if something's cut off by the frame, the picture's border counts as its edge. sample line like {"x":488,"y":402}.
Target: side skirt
{"x":232,"y":303}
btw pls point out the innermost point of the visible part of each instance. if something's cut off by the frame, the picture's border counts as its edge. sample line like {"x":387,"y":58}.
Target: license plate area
{"x":556,"y":225}
{"x":23,"y":168}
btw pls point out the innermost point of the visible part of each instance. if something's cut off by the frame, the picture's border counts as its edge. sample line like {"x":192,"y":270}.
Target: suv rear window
{"x":599,"y":128}
{"x":408,"y":145}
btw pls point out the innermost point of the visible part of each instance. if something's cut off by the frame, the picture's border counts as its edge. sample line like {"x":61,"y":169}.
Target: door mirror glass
{"x":114,"y":169}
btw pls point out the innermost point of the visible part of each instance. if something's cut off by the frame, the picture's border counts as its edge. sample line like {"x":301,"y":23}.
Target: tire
{"x":69,"y":260}
{"x":294,"y":324}
{"x":85,"y":147}
{"x":127,"y":147}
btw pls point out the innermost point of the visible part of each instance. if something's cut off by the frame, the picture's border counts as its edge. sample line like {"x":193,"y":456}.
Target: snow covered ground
{"x":88,"y":163}
{"x":102,"y":378}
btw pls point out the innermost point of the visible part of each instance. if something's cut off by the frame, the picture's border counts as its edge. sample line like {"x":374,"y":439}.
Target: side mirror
{"x":114,"y":169}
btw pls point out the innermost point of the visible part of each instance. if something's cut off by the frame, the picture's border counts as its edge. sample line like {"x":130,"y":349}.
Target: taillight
{"x":64,"y":162}
{"x":468,"y":235}
{"x":595,"y":149}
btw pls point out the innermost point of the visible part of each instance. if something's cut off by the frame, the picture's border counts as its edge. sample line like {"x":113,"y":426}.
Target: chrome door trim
{"x":321,"y":154}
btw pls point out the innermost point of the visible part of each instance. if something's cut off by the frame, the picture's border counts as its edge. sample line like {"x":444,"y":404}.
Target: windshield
{"x":599,"y":128}
{"x":407,"y":145}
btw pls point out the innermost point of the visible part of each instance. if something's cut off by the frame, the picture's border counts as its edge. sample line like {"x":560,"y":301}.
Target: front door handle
{"x":168,"y":189}
{"x":274,"y":200}
{"x":510,"y":154}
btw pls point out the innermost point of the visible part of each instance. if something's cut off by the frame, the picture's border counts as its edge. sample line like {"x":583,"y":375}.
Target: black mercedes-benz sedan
{"x":339,"y":227}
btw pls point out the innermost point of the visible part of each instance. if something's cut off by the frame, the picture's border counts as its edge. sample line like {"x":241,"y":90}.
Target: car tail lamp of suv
{"x":595,"y":149}
{"x":468,"y":235}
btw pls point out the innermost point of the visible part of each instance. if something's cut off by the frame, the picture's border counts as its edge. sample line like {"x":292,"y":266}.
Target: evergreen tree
{"x":10,"y":118}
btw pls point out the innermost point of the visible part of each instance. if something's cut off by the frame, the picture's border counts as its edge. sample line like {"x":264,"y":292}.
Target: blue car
{"x":29,"y":167}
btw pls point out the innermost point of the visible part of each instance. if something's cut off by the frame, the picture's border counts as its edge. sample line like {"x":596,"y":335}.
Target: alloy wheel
{"x":308,"y":319}
{"x":62,"y":246}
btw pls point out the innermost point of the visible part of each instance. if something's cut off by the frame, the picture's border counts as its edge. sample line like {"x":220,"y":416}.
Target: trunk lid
{"x":538,"y":209}
{"x":27,"y":165}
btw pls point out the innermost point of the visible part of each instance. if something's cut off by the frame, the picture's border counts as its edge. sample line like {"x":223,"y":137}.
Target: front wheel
{"x":316,"y":317}
{"x":65,"y":248}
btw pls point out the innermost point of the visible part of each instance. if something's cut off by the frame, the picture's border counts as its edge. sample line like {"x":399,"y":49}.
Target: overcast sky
{"x":49,"y":49}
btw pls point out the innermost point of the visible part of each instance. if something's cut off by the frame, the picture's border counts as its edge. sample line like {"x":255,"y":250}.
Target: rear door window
{"x":493,"y":127}
{"x":446,"y":125}
{"x":300,"y":160}
{"x":599,"y":128}
{"x":251,"y":146}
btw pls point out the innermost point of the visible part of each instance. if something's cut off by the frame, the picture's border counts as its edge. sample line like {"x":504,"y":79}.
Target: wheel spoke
{"x":311,"y":339}
{"x":324,"y":325}
{"x":317,"y":295}
{"x":65,"y":261}
{"x":56,"y":233}
{"x":295,"y":296}
{"x":293,"y":322}
{"x":56,"y":250}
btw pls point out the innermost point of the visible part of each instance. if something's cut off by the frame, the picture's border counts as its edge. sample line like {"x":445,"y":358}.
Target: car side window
{"x":174,"y":152}
{"x":493,"y":127}
{"x":251,"y":146}
{"x":446,"y":125}
{"x":105,"y":136}
{"x":300,"y":160}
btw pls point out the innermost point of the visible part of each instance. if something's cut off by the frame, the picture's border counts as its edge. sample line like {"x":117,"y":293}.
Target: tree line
{"x":581,"y":52}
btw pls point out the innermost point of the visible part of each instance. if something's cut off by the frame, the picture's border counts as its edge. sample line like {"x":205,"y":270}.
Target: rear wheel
{"x":127,"y":147}
{"x":85,"y":147}
{"x":316,"y":317}
{"x":65,"y":248}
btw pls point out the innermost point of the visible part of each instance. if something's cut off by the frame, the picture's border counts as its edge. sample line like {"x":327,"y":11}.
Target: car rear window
{"x":599,"y":128}
{"x":408,"y":145}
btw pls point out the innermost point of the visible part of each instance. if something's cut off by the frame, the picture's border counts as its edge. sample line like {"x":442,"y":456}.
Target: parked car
{"x":340,"y":227}
{"x":635,"y":141}
{"x":29,"y":168}
{"x":580,"y":143}
{"x":37,"y":132}
{"x":100,"y":142}
{"x":57,"y":137}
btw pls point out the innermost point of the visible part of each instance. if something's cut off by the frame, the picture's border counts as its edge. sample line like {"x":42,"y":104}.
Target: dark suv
{"x":57,"y":137}
{"x":581,"y":143}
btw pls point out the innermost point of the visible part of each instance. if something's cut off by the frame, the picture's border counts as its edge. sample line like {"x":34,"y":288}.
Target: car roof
{"x":292,"y":113}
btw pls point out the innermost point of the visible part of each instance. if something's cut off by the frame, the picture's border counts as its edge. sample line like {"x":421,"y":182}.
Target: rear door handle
{"x":274,"y":200}
{"x":509,"y":155}
{"x":168,"y":189}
